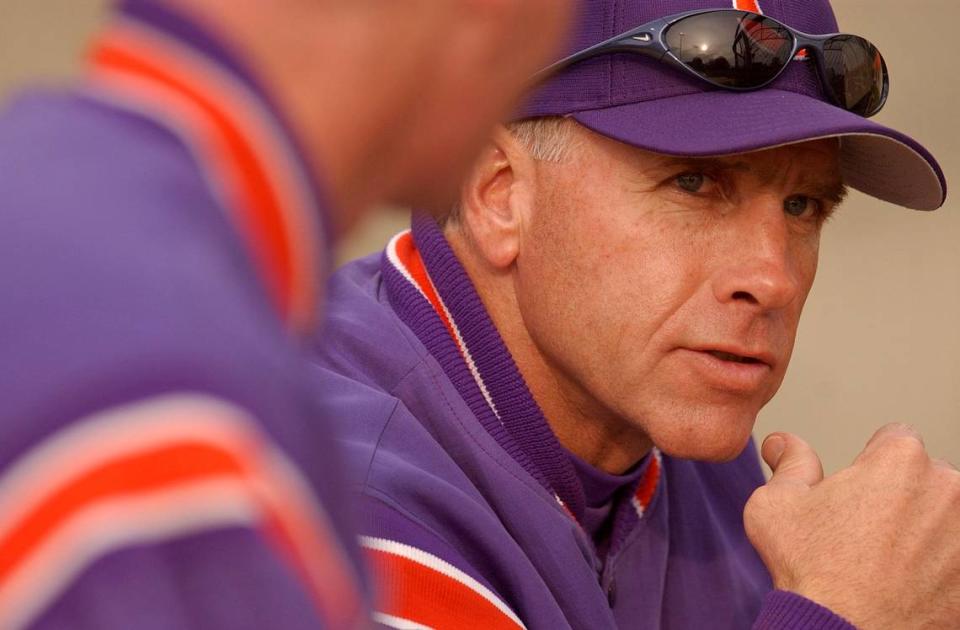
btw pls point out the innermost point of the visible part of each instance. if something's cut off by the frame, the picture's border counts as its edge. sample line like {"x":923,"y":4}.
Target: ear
{"x":495,"y":199}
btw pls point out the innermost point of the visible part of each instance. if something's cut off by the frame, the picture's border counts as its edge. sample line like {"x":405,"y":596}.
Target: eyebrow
{"x":717,"y":164}
{"x":830,"y":189}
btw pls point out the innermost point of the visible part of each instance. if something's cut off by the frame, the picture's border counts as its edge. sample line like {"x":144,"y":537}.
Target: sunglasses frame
{"x":648,"y":40}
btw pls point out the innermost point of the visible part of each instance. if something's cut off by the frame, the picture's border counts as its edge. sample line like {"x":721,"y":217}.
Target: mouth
{"x":733,"y":358}
{"x":743,"y":372}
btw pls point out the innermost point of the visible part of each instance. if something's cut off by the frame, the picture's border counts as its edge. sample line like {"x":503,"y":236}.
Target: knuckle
{"x":900,"y":427}
{"x":756,"y":500}
{"x":944,"y":485}
{"x":950,"y":480}
{"x":906,"y":449}
{"x":759,"y":504}
{"x":895,"y":429}
{"x":945,"y":465}
{"x":756,"y":514}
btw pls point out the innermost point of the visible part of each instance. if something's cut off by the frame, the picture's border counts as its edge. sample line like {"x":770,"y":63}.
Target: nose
{"x":759,"y":267}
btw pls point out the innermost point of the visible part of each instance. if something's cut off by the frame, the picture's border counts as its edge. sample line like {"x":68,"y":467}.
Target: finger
{"x":942,"y":463}
{"x":894,"y":430}
{"x":791,"y":459}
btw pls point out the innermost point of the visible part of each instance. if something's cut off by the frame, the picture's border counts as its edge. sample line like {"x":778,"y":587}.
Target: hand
{"x":878,"y":542}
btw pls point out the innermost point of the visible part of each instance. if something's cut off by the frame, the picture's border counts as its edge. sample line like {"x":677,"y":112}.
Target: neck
{"x":344,"y":114}
{"x":582,"y":424}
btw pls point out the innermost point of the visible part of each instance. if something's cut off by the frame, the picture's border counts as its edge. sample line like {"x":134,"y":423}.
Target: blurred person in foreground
{"x":167,"y":227}
{"x":549,"y":391}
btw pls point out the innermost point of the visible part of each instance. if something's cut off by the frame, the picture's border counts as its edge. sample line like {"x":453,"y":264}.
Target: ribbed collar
{"x":159,"y":64}
{"x":599,"y":486}
{"x":432,"y":293}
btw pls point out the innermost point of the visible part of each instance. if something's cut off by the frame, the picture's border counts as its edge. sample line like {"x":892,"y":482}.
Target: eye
{"x":799,"y":205}
{"x":691,"y":182}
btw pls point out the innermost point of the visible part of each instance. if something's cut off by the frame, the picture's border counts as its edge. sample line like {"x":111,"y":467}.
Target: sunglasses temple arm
{"x":640,"y":43}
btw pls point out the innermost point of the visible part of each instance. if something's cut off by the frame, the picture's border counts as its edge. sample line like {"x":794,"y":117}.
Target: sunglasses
{"x":741,"y":51}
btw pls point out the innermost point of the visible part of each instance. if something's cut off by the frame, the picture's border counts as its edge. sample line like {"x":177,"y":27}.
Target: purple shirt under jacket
{"x":157,"y":465}
{"x":458,"y":472}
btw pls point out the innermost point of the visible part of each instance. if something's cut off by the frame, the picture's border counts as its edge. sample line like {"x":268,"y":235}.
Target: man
{"x":548,"y":394}
{"x":167,"y":224}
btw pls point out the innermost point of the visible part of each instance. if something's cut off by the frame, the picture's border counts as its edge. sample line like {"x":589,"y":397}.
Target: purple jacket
{"x":472,"y":509}
{"x":161,"y":245}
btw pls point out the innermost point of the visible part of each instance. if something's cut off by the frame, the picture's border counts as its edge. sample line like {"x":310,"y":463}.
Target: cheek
{"x":656,"y":271}
{"x":812,"y":263}
{"x":807,"y":257}
{"x":566,"y":300}
{"x":557,"y":267}
{"x":606,"y":288}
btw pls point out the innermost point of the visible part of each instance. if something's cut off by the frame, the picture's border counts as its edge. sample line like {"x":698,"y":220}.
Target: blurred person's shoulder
{"x":122,"y":277}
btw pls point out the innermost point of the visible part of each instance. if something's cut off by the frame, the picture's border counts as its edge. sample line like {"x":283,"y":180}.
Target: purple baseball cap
{"x":645,"y":103}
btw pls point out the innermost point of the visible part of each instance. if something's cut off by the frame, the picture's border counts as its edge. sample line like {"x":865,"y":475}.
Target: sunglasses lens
{"x":731,"y":48}
{"x":856,"y":73}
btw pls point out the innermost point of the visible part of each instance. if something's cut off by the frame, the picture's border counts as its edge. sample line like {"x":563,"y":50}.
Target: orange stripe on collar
{"x":251,"y":170}
{"x":648,"y":483}
{"x":412,"y":264}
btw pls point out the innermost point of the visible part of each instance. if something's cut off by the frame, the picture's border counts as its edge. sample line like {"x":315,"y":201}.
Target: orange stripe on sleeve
{"x":152,"y":471}
{"x":139,"y":473}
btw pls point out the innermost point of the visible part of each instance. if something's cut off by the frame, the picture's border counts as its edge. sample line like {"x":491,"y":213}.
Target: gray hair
{"x":546,"y":139}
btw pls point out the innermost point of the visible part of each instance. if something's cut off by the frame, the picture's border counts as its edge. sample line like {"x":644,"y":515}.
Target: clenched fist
{"x":877,"y":542}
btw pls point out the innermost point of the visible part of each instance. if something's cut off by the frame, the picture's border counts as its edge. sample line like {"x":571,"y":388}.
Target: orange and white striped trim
{"x":648,"y":484}
{"x":403,"y":255}
{"x":153,"y":471}
{"x":238,"y":144}
{"x":748,"y":5}
{"x":426,"y":591}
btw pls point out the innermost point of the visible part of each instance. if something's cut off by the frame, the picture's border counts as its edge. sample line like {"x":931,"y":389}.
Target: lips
{"x":734,"y":370}
{"x":736,"y":358}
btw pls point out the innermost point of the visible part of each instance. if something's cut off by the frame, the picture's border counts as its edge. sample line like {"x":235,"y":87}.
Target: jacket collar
{"x":432,"y":293}
{"x":159,"y":64}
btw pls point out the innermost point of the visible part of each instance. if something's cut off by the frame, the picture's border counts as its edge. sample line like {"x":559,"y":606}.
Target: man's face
{"x":665,"y":293}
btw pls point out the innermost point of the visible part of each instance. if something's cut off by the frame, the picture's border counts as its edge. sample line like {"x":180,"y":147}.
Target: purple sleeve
{"x":224,"y":580}
{"x":783,"y":610}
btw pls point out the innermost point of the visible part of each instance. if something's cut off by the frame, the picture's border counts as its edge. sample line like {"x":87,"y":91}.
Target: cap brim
{"x":874,"y":159}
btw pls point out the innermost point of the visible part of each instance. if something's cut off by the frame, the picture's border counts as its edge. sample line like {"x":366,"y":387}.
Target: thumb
{"x":791,"y":460}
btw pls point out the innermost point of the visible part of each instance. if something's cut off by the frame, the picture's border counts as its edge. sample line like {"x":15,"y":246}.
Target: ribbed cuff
{"x":783,"y":610}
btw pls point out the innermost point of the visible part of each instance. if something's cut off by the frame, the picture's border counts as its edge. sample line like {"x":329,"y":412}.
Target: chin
{"x":710,"y":435}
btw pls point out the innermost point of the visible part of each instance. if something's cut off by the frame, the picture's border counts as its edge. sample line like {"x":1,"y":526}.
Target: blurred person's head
{"x":392,"y":99}
{"x":645,"y":241}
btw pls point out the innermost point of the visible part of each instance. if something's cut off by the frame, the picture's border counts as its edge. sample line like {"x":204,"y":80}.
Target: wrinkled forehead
{"x":815,"y":162}
{"x":824,"y":152}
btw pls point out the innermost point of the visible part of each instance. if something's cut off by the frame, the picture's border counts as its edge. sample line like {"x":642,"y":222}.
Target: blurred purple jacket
{"x":162,"y":246}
